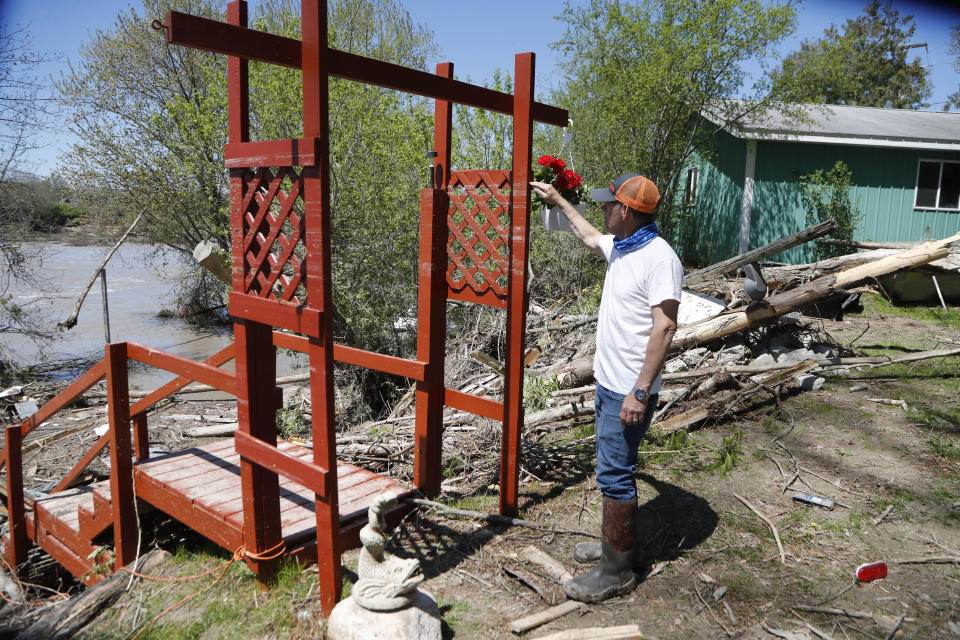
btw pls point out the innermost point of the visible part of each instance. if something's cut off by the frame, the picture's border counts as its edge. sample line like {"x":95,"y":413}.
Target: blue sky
{"x":475,"y":36}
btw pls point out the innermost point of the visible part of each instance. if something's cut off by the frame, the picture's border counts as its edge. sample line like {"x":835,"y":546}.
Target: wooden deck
{"x":200,"y":487}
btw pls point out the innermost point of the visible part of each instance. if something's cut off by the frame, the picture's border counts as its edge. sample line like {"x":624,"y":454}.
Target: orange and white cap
{"x":636,"y":191}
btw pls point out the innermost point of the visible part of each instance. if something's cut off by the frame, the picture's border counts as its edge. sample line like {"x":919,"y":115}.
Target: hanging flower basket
{"x":555,"y":220}
{"x":567,"y":182}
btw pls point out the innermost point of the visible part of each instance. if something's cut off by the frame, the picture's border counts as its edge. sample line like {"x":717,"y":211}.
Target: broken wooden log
{"x":553,"y":568}
{"x":720,"y":404}
{"x":732,"y":264}
{"x":543,"y":617}
{"x":214,"y":260}
{"x":575,"y":373}
{"x":853,"y":244}
{"x":70,"y":616}
{"x":788,"y":276}
{"x":622,"y":632}
{"x":805,"y":295}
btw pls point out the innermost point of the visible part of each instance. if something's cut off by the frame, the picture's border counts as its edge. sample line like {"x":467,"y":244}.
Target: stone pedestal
{"x":418,"y":621}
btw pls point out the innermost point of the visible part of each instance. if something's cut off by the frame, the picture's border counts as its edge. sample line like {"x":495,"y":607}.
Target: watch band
{"x":640,"y":394}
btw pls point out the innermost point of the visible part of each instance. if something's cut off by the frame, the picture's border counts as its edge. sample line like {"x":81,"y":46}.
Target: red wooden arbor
{"x":473,"y":246}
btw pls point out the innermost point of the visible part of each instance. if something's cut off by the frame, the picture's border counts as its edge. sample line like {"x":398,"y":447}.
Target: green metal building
{"x":743,"y":192}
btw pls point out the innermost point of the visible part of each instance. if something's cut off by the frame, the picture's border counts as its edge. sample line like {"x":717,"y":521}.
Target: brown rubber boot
{"x":613,"y":575}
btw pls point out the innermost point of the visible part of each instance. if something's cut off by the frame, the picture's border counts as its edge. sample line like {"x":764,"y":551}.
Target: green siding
{"x":710,"y":231}
{"x":884,"y":181}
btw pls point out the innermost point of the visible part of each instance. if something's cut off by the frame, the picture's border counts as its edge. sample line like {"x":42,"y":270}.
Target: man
{"x":638,"y":317}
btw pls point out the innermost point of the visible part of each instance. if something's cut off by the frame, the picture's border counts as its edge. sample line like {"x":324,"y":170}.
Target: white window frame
{"x":916,"y":187}
{"x":690,"y":194}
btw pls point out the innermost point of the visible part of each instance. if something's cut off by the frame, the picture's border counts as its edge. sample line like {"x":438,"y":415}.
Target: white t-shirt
{"x":635,"y":283}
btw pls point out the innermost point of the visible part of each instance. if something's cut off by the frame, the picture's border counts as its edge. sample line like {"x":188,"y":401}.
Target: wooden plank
{"x":16,"y":514}
{"x":47,"y":521}
{"x":59,"y":401}
{"x":286,"y":315}
{"x":74,"y":562}
{"x":476,"y":405}
{"x":194,"y":465}
{"x":413,"y":369}
{"x":180,"y":382}
{"x":181,"y":459}
{"x":87,"y":458}
{"x":198,"y":371}
{"x":296,"y":152}
{"x":220,"y":37}
{"x":173,"y":504}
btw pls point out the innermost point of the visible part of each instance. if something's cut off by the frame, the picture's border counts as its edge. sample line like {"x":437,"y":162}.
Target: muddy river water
{"x":140,"y":282}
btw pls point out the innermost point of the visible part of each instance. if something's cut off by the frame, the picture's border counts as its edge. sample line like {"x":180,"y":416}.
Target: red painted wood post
{"x":255,"y":353}
{"x":121,"y":465}
{"x":517,"y":287}
{"x":17,"y":537}
{"x":316,"y":197}
{"x":256,"y":415}
{"x":141,"y":437}
{"x":442,"y":124}
{"x":431,"y":339}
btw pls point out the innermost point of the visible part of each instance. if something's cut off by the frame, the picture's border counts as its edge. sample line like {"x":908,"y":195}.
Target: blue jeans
{"x":617,"y":445}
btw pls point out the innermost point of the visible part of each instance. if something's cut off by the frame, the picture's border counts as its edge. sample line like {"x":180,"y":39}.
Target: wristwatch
{"x":641,"y":394}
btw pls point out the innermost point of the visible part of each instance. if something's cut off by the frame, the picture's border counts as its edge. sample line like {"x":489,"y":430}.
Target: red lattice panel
{"x":273,"y":232}
{"x":478,"y":245}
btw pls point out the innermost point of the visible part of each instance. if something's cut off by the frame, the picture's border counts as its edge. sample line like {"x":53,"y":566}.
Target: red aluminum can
{"x":872,"y":571}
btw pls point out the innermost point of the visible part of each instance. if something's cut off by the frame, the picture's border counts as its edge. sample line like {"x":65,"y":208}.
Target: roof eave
{"x":854,"y":141}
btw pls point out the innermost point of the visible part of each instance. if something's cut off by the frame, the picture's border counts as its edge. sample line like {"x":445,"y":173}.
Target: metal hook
{"x":158,"y":26}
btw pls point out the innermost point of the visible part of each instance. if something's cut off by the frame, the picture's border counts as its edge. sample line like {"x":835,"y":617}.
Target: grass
{"x":945,"y":448}
{"x":231,"y":607}
{"x":873,"y":303}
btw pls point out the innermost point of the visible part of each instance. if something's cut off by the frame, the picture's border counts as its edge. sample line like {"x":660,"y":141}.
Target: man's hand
{"x":632,"y":412}
{"x":548,"y":192}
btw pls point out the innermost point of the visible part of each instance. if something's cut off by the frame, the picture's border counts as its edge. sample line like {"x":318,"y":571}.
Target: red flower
{"x":571,"y":179}
{"x":558,"y":165}
{"x":545,"y":161}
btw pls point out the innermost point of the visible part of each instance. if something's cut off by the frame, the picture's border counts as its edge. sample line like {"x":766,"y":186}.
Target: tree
{"x":22,"y":114}
{"x":151,"y":120}
{"x":864,"y":63}
{"x":638,"y":79}
{"x":954,"y":98}
{"x":826,"y":195}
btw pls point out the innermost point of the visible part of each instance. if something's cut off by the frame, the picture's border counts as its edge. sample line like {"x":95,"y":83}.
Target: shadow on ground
{"x":673,"y":522}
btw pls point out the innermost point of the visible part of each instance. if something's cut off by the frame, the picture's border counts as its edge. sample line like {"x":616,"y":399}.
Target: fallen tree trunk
{"x":794,"y":274}
{"x":211,"y":258}
{"x":732,"y":264}
{"x":839,"y":242}
{"x":805,"y":295}
{"x":66,"y":619}
{"x":574,"y":373}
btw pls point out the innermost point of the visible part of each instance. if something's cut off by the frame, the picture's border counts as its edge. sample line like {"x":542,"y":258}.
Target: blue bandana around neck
{"x":640,"y":238}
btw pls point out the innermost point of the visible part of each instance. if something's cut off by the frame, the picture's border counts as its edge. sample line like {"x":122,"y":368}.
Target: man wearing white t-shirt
{"x":638,"y":317}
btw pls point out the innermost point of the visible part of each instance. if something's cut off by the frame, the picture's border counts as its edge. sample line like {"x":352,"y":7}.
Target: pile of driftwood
{"x":751,"y":350}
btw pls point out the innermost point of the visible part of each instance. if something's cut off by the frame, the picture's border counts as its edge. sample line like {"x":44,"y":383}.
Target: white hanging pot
{"x":555,"y":220}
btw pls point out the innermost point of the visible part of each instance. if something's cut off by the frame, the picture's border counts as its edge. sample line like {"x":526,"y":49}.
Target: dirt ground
{"x":712,"y":568}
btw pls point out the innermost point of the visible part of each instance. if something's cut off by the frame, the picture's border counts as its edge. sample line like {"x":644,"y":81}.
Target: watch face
{"x":640,"y":394}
